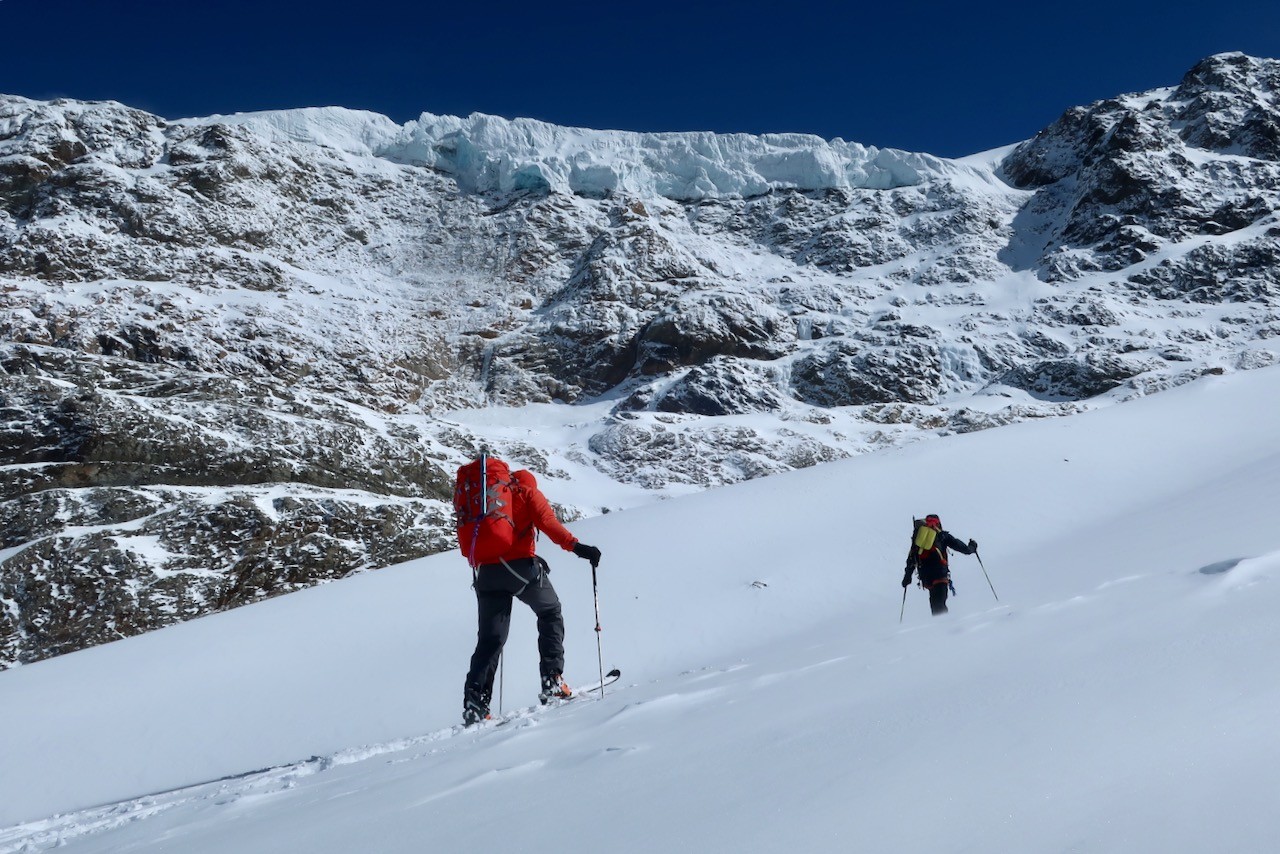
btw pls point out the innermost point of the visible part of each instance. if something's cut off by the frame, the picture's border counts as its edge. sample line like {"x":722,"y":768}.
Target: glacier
{"x":490,"y":154}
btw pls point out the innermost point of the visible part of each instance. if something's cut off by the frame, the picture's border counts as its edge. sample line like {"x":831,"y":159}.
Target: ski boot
{"x":554,"y":688}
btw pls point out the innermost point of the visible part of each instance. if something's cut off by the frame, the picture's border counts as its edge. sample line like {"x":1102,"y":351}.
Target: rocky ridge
{"x":242,"y":355}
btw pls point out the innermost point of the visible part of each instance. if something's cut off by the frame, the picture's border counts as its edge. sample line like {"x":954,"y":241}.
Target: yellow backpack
{"x":925,"y":535}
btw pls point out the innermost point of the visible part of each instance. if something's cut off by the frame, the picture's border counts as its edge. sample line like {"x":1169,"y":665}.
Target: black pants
{"x":938,"y":597}
{"x":496,"y":584}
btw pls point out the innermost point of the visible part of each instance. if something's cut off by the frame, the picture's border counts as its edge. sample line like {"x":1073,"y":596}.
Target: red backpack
{"x":482,"y":507}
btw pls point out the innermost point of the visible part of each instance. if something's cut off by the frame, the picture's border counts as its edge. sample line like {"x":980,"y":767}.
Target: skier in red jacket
{"x":521,"y":574}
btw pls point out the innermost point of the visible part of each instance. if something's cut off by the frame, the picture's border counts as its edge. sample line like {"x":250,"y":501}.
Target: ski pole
{"x":595,"y":595}
{"x":984,"y":573}
{"x":904,"y":605}
{"x":500,"y":681}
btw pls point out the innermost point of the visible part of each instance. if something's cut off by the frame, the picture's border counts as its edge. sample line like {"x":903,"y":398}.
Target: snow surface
{"x":1118,"y":697}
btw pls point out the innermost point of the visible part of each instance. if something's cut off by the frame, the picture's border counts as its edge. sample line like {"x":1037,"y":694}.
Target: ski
{"x":609,"y":678}
{"x":585,"y":691}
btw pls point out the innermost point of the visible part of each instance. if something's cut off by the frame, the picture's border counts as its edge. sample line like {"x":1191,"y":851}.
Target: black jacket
{"x":932,"y":565}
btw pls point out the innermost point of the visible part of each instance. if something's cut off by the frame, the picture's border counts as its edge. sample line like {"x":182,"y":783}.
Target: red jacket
{"x":532,"y":512}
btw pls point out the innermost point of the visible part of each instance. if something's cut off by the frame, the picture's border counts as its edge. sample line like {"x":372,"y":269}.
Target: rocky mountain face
{"x":242,"y":355}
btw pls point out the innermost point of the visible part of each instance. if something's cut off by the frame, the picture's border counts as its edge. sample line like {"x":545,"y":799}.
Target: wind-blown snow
{"x":1118,"y":697}
{"x":488,"y":153}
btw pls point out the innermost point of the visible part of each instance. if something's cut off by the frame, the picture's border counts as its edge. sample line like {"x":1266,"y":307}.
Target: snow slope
{"x":1118,"y":697}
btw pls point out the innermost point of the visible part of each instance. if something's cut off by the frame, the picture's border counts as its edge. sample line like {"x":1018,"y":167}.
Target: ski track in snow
{"x":260,"y":784}
{"x":226,"y":791}
{"x":60,"y":829}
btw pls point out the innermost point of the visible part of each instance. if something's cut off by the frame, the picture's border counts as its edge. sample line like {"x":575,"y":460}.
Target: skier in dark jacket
{"x":928,"y":558}
{"x":521,"y":574}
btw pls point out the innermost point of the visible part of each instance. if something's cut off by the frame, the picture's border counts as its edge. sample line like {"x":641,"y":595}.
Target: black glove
{"x":973,"y":545}
{"x":906,"y":580}
{"x":586,"y":552}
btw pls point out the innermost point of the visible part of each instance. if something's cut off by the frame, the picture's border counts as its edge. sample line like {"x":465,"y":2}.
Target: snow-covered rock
{"x":244,"y":353}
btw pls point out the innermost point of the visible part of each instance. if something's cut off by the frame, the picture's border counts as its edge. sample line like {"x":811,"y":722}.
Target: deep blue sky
{"x":946,"y":78}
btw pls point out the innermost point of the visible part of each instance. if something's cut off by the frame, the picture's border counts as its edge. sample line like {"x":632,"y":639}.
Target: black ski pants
{"x":938,"y":598}
{"x":496,"y":585}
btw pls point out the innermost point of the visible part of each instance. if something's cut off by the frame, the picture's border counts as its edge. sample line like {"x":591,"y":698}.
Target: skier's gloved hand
{"x":973,"y":545}
{"x":906,"y":580}
{"x":586,"y":552}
